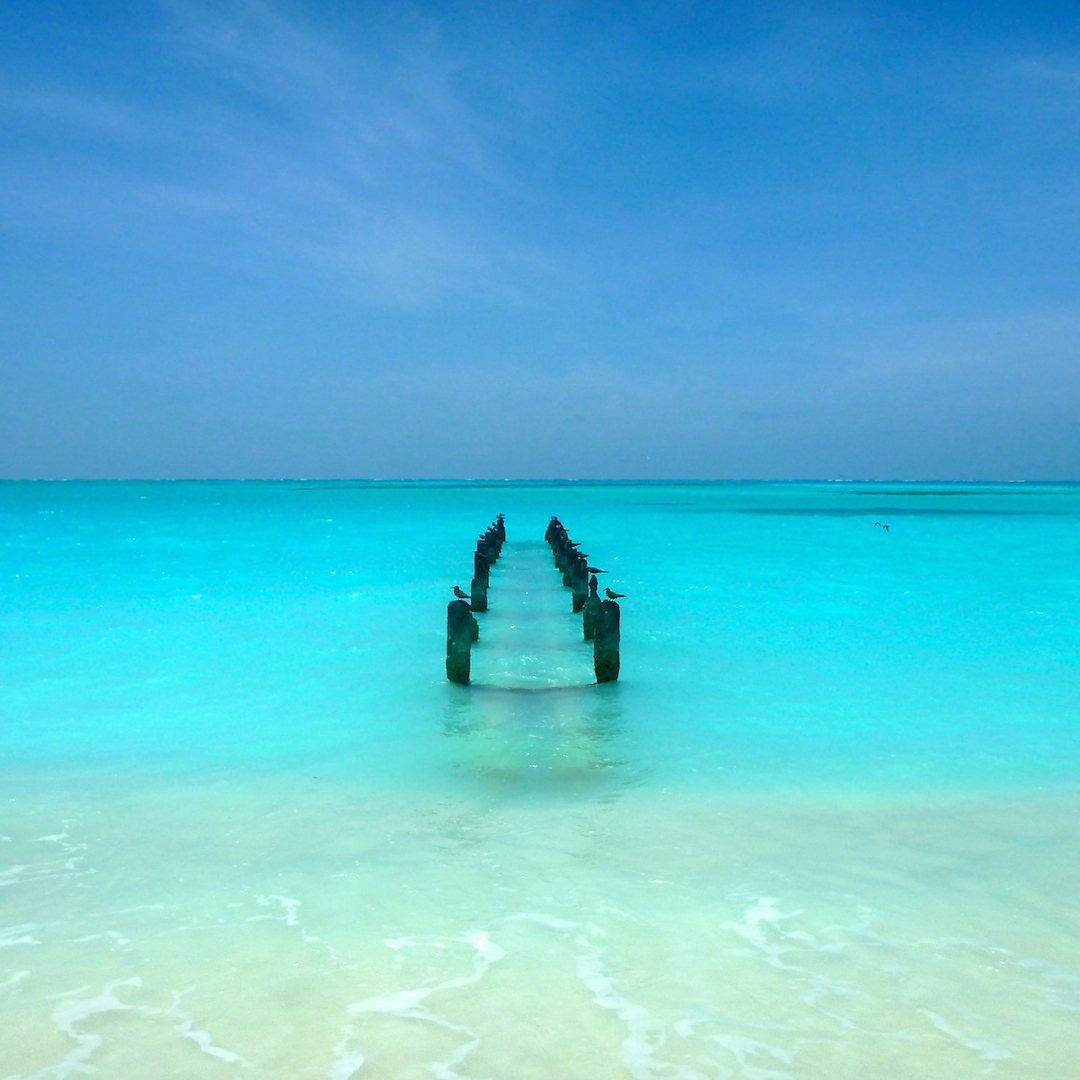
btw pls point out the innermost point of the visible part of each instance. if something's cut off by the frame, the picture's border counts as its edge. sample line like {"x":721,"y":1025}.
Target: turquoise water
{"x":824,"y":826}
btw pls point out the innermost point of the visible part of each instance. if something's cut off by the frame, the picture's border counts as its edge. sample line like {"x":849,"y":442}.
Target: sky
{"x":587,"y":240}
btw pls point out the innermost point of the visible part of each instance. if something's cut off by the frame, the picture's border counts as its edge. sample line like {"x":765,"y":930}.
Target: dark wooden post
{"x":569,"y":557}
{"x":478,"y":594}
{"x":606,"y":643}
{"x":461,"y":632}
{"x":579,"y":582}
{"x":488,"y":545}
{"x":481,"y":567}
{"x":590,"y":611}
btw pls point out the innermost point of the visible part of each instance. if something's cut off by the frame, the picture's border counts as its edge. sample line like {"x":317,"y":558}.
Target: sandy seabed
{"x":291,"y":926}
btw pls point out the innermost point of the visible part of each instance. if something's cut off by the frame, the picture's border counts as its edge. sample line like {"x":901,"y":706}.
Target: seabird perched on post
{"x":461,"y":594}
{"x":613,"y":595}
{"x":594,"y":570}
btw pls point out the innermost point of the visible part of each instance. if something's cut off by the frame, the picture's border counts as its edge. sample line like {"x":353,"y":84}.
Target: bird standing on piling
{"x":460,"y":593}
{"x":613,"y":595}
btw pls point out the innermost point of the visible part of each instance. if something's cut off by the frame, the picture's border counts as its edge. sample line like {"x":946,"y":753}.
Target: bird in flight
{"x":613,"y":595}
{"x":460,"y":594}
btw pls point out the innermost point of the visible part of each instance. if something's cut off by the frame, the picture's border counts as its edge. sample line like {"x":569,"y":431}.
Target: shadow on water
{"x":555,"y":739}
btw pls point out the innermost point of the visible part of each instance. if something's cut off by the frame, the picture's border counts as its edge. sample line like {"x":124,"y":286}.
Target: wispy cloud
{"x":358,"y":156}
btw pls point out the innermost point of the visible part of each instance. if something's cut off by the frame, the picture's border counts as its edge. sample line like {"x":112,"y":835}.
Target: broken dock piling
{"x":462,"y":629}
{"x":599,"y":619}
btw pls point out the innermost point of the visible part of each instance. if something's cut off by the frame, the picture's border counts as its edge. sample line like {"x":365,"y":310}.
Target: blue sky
{"x":540,"y":240}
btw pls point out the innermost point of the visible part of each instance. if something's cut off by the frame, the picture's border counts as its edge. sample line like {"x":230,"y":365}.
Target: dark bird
{"x":613,"y":595}
{"x":460,"y":594}
{"x":885,"y":527}
{"x":593,"y":570}
{"x":876,"y":524}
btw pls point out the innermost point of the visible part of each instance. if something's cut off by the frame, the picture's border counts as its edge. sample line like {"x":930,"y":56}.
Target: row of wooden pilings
{"x":599,"y":618}
{"x":461,"y":628}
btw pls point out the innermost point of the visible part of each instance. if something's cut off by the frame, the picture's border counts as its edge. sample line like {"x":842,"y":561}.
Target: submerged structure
{"x":599,"y":618}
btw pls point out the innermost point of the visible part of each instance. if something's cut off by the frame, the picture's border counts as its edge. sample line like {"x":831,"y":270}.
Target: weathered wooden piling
{"x":590,"y":611}
{"x":481,"y":567}
{"x":606,"y":643}
{"x":461,"y":631}
{"x":579,"y":582}
{"x":599,"y":619}
{"x":461,"y":628}
{"x":478,"y":594}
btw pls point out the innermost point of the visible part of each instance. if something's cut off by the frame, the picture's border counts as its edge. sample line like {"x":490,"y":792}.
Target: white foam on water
{"x":346,"y":1062}
{"x":66,"y":866}
{"x":988,"y":1051}
{"x":202,"y":1039}
{"x":646,"y":1033}
{"x":291,"y":917}
{"x":13,"y":980}
{"x":763,"y":916}
{"x":19,"y":935}
{"x":73,"y":1010}
{"x":407,"y":1003}
{"x":743,"y":1048}
{"x":289,"y":906}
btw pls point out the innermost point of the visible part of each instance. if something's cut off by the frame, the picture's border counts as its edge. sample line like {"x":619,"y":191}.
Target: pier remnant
{"x":461,"y":631}
{"x":599,"y":618}
{"x":461,"y":628}
{"x":478,"y":594}
{"x":590,"y":611}
{"x":606,"y":643}
{"x":579,"y":582}
{"x":479,"y":587}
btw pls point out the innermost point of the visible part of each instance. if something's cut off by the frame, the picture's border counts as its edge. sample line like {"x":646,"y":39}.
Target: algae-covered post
{"x":461,"y":632}
{"x":579,"y":582}
{"x":481,"y":566}
{"x":599,"y":620}
{"x":478,"y":594}
{"x":590,"y":611}
{"x":461,"y":628}
{"x":490,"y":544}
{"x":481,"y":576}
{"x":606,"y":643}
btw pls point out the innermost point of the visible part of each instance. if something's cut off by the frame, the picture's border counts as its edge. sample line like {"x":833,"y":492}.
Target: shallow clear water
{"x":825,"y":826}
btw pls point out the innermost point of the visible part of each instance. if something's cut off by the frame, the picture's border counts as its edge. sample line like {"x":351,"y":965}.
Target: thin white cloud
{"x":359,"y":155}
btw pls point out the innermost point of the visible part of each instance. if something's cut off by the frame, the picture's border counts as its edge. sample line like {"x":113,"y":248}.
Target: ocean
{"x":825,"y":826}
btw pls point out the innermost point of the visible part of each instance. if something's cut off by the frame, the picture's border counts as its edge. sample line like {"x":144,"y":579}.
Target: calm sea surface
{"x":826,"y":827}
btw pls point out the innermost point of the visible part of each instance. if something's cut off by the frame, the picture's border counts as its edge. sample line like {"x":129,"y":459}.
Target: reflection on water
{"x":533,"y":717}
{"x":548,"y":737}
